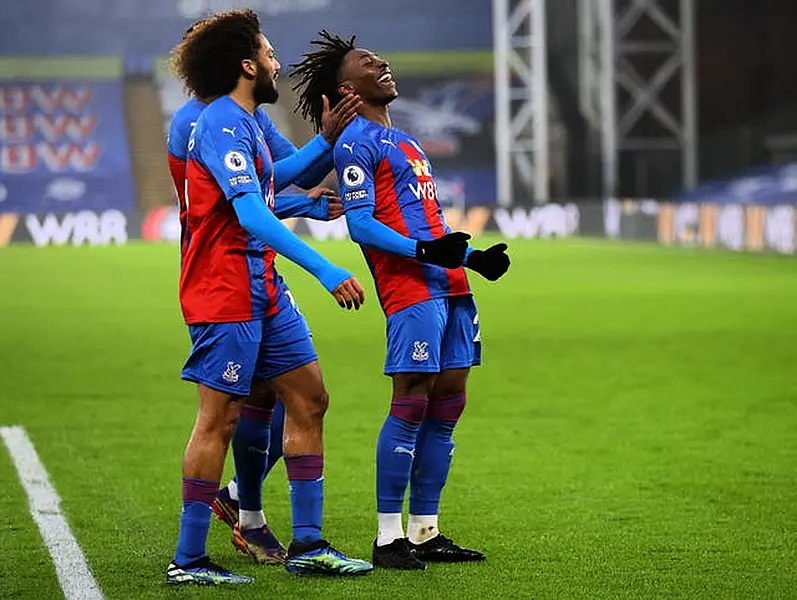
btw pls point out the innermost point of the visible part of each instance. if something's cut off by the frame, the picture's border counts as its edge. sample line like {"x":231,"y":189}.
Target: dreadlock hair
{"x":208,"y":59}
{"x":317,"y":75}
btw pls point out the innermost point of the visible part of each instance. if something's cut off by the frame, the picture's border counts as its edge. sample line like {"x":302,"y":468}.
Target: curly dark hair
{"x":318,"y":75}
{"x":208,"y":59}
{"x":193,"y":27}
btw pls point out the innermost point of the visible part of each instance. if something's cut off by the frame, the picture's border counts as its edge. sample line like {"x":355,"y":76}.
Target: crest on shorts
{"x":231,"y":372}
{"x":420,"y":351}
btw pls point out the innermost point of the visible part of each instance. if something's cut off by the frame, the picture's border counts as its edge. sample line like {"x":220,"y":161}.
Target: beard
{"x":265,"y":90}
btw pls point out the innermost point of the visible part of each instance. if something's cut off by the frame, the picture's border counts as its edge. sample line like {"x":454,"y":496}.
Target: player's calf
{"x":433,"y":456}
{"x":435,"y":450}
{"x":202,"y":467}
{"x":306,"y":401}
{"x":250,"y":446}
{"x":395,"y":455}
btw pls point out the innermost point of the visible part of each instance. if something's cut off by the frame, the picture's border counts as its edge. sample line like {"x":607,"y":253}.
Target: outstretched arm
{"x":282,"y":148}
{"x":356,"y":176}
{"x":447,"y":251}
{"x":320,"y":204}
{"x":288,"y":206}
{"x":299,"y":164}
{"x":232,"y":164}
{"x":366,"y":230}
{"x":258,"y":220}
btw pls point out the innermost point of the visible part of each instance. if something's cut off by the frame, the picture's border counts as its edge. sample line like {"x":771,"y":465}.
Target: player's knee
{"x":413,"y":384}
{"x":223,"y":427}
{"x":447,"y":408}
{"x":262,"y":395}
{"x":308,"y":410}
{"x":228,"y":427}
{"x":219,"y":427}
{"x":409,"y":408}
{"x":228,"y":421}
{"x":318,"y":404}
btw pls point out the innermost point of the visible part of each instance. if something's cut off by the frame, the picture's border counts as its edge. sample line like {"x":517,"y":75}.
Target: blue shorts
{"x":434,"y":336}
{"x":227,"y":356}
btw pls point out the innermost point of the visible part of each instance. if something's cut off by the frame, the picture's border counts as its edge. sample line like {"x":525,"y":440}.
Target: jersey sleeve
{"x":355,"y":165}
{"x":176,"y":154}
{"x":282,"y":148}
{"x":279,"y":146}
{"x":175,"y":143}
{"x":230,"y":157}
{"x":288,"y":206}
{"x":290,"y":170}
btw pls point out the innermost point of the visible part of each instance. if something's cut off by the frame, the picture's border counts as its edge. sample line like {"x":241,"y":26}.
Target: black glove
{"x":490,"y":263}
{"x":447,"y":251}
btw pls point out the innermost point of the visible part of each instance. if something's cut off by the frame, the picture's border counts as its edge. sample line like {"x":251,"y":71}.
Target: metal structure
{"x":610,"y":60}
{"x":521,"y":97}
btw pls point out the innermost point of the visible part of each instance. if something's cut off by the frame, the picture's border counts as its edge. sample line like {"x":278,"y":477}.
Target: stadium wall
{"x":63,"y":136}
{"x":753,"y":228}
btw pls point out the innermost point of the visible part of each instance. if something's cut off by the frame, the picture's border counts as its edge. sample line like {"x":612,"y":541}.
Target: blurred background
{"x":668,"y":120}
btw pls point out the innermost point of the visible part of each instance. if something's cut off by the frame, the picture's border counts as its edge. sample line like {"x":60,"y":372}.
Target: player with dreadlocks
{"x":433,"y":338}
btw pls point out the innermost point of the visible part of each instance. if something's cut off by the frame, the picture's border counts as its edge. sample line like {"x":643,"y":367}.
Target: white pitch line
{"x":73,"y":571}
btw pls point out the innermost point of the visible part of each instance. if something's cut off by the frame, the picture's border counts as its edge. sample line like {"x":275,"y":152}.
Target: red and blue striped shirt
{"x":227,"y":275}
{"x":387,"y":171}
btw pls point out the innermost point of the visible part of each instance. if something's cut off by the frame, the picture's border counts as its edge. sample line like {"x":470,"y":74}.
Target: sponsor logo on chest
{"x":424,"y":187}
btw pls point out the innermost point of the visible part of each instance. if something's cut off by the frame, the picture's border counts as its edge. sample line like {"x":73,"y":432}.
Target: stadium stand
{"x":63,"y":140}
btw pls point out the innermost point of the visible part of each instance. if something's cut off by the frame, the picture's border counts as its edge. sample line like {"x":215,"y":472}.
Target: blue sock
{"x":250,"y":446}
{"x":198,"y":495}
{"x":277,"y":429}
{"x":306,"y":479}
{"x":433,"y":454}
{"x":395,"y":450}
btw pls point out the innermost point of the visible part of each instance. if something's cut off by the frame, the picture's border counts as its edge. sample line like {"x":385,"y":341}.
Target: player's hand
{"x":491,"y":263}
{"x":350,"y":294}
{"x":333,"y":203}
{"x":447,"y":251}
{"x":334,"y":121}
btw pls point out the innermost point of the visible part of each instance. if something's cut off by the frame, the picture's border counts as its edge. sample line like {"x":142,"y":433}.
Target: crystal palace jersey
{"x":386,"y":170}
{"x":226,"y":274}
{"x":180,"y":128}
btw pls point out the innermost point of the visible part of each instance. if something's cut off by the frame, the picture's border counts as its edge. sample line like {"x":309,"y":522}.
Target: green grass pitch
{"x":633,"y":433}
